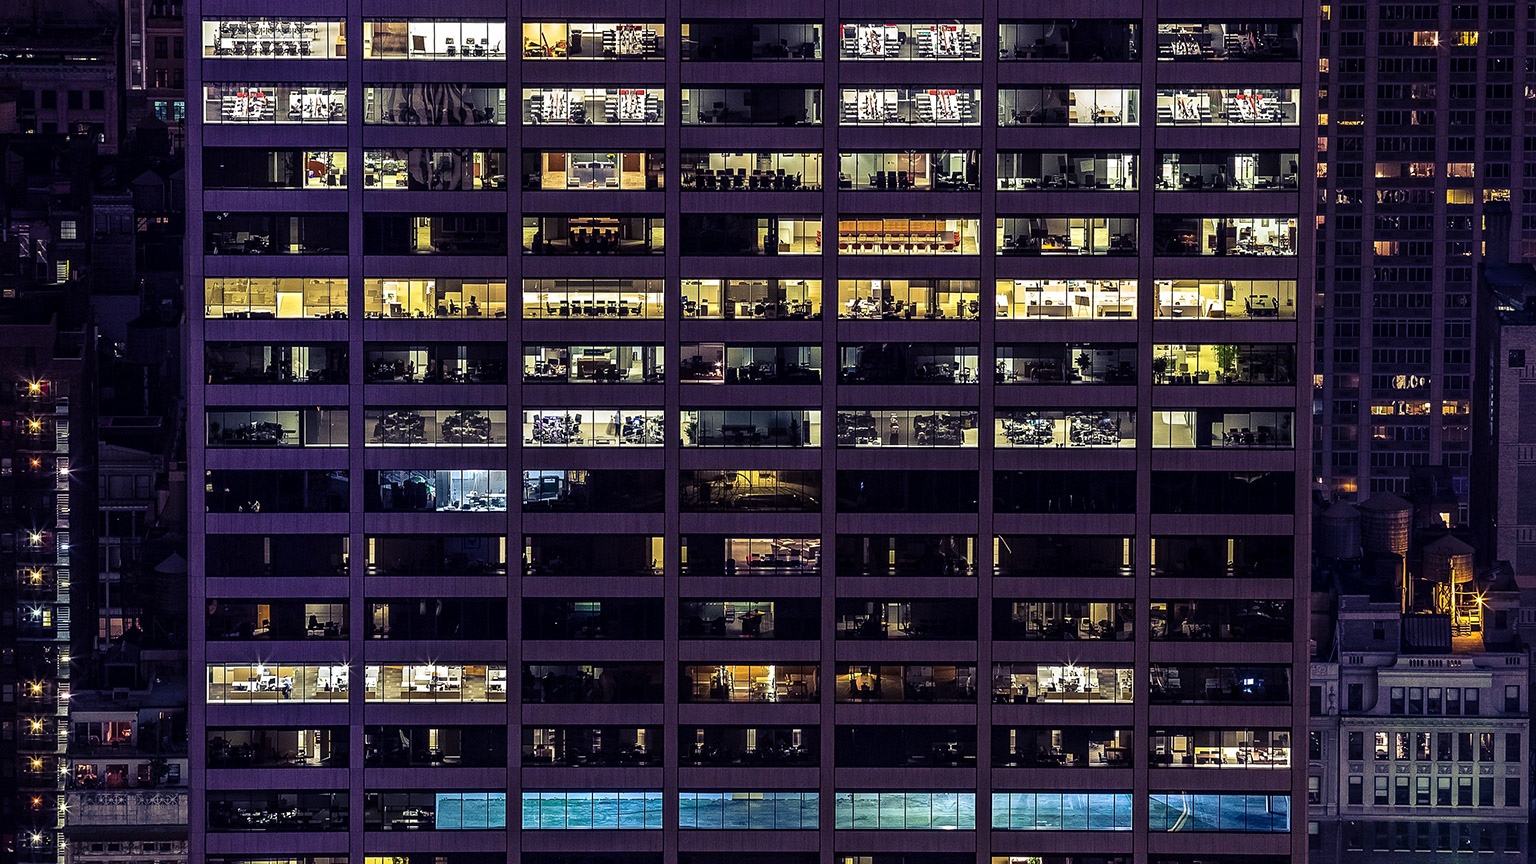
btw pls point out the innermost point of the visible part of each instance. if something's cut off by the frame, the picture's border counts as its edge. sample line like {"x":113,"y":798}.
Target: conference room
{"x":752,"y":299}
{"x":634,"y":170}
{"x":910,"y":171}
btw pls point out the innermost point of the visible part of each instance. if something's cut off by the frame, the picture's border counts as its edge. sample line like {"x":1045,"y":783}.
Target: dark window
{"x":907,"y":363}
{"x":436,"y":618}
{"x":1069,"y":620}
{"x":906,"y":555}
{"x":885,"y":746}
{"x":304,"y":555}
{"x":431,"y":555}
{"x":277,"y":747}
{"x":749,"y":746}
{"x":592,"y":746}
{"x":567,"y":858}
{"x":258,"y":363}
{"x":572,"y":554}
{"x":1187,"y":683}
{"x":711,"y":491}
{"x":1064,"y":491}
{"x":1221,"y":620}
{"x":275,"y":234}
{"x":435,"y":747}
{"x":581,"y":683}
{"x":1091,"y":746}
{"x":610,"y":618}
{"x":765,"y":105}
{"x":1221,"y":557}
{"x":246,"y":620}
{"x":797,"y":618}
{"x":256,"y":491}
{"x":744,"y":40}
{"x":1237,"y":492}
{"x":907,"y":491}
{"x":603,"y":491}
{"x":435,"y":363}
{"x":435,"y":234}
{"x":277,"y":811}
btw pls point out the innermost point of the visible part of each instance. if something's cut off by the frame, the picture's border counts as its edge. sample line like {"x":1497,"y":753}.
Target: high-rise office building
{"x":1052,"y":612}
{"x":1422,"y":118}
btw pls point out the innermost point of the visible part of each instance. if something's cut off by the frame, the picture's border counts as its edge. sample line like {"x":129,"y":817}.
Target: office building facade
{"x":1055,"y":611}
{"x":1422,"y":126}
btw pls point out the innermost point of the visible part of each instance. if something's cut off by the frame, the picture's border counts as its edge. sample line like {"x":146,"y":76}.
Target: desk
{"x":742,"y":434}
{"x":1263,"y":306}
{"x":752,"y":623}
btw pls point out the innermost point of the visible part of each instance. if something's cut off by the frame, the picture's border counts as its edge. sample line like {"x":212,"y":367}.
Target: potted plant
{"x":1226,"y":360}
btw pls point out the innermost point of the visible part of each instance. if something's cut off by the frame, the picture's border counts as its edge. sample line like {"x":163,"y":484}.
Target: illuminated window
{"x":920,"y":811}
{"x":751,"y":811}
{"x":602,"y":810}
{"x":1061,"y":811}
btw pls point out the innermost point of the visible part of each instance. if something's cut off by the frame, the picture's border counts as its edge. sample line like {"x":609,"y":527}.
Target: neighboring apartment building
{"x":1420,"y":721}
{"x":47,"y":428}
{"x":127,"y":768}
{"x":110,"y":637}
{"x":784,"y":557}
{"x":59,"y":61}
{"x":1423,"y":121}
{"x":47,"y":448}
{"x":154,"y":42}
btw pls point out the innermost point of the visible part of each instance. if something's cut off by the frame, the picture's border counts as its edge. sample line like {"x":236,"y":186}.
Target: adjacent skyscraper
{"x":1422,"y":118}
{"x":1055,"y":610}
